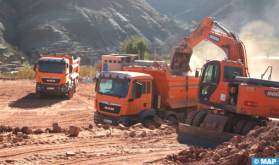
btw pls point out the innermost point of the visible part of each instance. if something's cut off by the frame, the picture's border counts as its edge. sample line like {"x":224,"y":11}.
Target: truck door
{"x":137,"y":105}
{"x":210,"y":80}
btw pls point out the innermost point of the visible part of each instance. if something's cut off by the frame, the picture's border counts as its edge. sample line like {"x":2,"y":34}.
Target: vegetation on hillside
{"x":133,"y":45}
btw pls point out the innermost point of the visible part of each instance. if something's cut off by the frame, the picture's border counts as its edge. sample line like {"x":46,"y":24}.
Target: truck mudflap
{"x":202,"y":136}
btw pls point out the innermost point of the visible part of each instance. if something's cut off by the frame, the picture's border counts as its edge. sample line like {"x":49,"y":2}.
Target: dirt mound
{"x":262,"y":142}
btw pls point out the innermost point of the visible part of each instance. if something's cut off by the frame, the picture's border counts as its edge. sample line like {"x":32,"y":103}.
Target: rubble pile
{"x":262,"y":142}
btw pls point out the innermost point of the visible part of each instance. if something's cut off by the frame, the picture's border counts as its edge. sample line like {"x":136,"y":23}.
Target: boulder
{"x":132,"y":134}
{"x":235,"y":159}
{"x":139,"y":125}
{"x":74,"y":131}
{"x":201,"y":155}
{"x":47,"y":130}
{"x":24,"y":129}
{"x":122,"y":127}
{"x":16,"y":130}
{"x":143,"y":134}
{"x":15,"y":140}
{"x":106,"y":126}
{"x":39,"y":131}
{"x":56,"y":128}
{"x":9,"y":129}
{"x":99,"y":125}
{"x":216,"y":157}
{"x":152,"y":127}
{"x":90,"y":126}
{"x":269,"y":150}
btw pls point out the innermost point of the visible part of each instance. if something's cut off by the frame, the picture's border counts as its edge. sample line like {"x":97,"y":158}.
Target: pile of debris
{"x":262,"y":142}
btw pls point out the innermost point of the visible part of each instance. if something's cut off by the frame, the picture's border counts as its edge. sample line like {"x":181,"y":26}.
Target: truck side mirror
{"x":35,"y":67}
{"x":197,"y":74}
{"x":71,"y":68}
{"x":97,"y":80}
{"x":137,"y":90}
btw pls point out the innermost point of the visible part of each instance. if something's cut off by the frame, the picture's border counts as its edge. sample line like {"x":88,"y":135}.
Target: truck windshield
{"x":113,"y":88}
{"x":52,"y":67}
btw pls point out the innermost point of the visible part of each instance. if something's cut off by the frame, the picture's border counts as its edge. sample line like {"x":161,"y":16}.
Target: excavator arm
{"x":226,"y":40}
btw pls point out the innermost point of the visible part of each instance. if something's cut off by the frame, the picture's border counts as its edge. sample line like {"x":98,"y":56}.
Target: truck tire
{"x":39,"y":95}
{"x":199,"y":119}
{"x":172,"y":120}
{"x":190,"y":117}
{"x":70,"y":93}
{"x":76,"y":85}
{"x":239,"y":126}
{"x":147,"y":122}
{"x":248,"y":126}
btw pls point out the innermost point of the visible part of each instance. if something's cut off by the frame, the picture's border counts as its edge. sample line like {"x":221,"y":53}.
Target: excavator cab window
{"x":210,"y":79}
{"x":228,"y":70}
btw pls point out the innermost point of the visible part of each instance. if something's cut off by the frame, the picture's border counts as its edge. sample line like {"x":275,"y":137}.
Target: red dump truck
{"x":138,"y":94}
{"x":57,"y":74}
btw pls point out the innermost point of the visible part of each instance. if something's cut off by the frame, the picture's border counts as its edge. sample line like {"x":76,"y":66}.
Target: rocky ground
{"x":38,"y":131}
{"x":262,"y":142}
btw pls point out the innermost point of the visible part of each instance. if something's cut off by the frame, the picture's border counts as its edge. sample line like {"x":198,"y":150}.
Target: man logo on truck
{"x":109,"y":108}
{"x":50,"y":80}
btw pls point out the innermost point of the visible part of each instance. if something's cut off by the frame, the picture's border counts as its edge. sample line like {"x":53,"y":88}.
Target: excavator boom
{"x":226,"y":40}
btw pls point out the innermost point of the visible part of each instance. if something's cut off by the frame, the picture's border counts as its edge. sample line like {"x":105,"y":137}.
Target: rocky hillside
{"x":236,"y":15}
{"x":79,"y":25}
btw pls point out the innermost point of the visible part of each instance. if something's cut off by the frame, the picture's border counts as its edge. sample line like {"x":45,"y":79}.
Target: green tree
{"x":132,"y":45}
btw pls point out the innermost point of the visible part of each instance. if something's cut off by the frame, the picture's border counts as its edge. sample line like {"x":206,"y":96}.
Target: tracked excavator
{"x":236,"y":103}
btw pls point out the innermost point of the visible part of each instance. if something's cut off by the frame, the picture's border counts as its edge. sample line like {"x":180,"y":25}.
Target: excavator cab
{"x":215,"y":80}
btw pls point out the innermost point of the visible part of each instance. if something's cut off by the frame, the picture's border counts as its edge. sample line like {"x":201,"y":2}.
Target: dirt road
{"x":19,"y":107}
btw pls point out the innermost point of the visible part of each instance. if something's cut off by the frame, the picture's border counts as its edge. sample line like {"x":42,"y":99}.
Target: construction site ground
{"x":19,"y":107}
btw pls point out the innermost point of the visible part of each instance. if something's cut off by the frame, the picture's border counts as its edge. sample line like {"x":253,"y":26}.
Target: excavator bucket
{"x":180,"y":58}
{"x":204,"y":136}
{"x":201,"y":136}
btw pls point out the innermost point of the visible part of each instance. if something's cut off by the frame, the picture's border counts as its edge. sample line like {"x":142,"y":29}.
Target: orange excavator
{"x":238,"y":103}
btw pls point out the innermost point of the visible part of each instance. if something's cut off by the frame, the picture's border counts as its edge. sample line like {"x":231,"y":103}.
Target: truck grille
{"x":109,"y":107}
{"x":51,"y":80}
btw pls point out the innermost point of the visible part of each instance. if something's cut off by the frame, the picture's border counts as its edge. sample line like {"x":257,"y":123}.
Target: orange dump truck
{"x":138,"y":94}
{"x":57,"y":74}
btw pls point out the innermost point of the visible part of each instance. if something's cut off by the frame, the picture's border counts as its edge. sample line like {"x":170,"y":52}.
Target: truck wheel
{"x":70,"y":93}
{"x":172,"y":120}
{"x":39,"y":95}
{"x":239,"y":126}
{"x":199,"y":119}
{"x":190,"y":117}
{"x":76,"y":85}
{"x":147,"y":122}
{"x":249,"y":126}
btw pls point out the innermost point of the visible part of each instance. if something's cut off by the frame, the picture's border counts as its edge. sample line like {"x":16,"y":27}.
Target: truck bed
{"x":175,"y":91}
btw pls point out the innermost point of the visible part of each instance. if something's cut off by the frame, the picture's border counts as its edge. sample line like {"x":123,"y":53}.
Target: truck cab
{"x":56,"y":75}
{"x":123,"y":97}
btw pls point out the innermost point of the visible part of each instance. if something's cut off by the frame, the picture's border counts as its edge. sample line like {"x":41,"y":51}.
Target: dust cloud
{"x":259,"y":57}
{"x":205,"y":51}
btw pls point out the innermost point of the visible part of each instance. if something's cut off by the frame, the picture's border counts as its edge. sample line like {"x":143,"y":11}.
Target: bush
{"x":26,"y":72}
{"x":87,"y":71}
